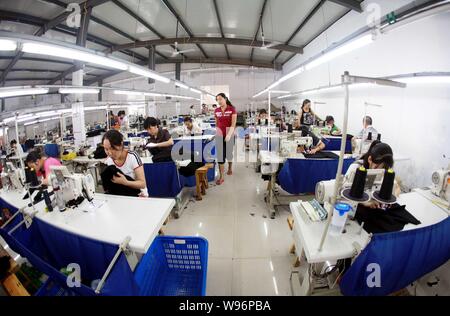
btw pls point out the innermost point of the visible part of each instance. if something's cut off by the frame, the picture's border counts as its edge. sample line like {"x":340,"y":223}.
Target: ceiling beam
{"x":223,"y":61}
{"x":302,"y":24}
{"x":43,"y":29}
{"x":349,"y":4}
{"x":261,"y":15}
{"x":219,"y":21}
{"x":185,"y":27}
{"x":32,"y":70}
{"x":208,"y":40}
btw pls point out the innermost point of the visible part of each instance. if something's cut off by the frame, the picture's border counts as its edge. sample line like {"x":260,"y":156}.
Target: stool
{"x":201,"y":180}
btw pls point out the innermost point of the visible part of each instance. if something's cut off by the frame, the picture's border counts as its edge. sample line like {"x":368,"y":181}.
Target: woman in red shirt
{"x":226,"y":117}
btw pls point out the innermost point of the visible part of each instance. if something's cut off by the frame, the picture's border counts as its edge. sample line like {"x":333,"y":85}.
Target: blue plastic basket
{"x":174,"y":266}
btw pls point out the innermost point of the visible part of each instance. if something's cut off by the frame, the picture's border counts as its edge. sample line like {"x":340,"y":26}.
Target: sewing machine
{"x":69,"y":187}
{"x":11,"y":177}
{"x":324,"y":189}
{"x":288,"y":147}
{"x":440,"y":180}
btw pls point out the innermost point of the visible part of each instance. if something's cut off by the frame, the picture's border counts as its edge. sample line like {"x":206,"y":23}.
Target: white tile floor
{"x":248,"y":251}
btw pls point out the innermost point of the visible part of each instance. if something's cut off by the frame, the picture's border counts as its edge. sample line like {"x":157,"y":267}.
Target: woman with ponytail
{"x":226,"y":117}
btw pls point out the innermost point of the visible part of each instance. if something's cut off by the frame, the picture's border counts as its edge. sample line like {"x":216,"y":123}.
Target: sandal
{"x":230,"y":172}
{"x":219,"y":181}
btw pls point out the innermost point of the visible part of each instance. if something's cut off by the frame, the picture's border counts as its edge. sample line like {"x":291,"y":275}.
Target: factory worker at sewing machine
{"x":262,"y":118}
{"x":331,"y":128}
{"x":191,"y":128}
{"x":363,"y":134}
{"x":42,"y":165}
{"x":317,"y":144}
{"x":379,"y":156}
{"x":128,"y":162}
{"x":160,"y":142}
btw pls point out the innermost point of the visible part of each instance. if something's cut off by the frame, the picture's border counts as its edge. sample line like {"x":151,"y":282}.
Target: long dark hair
{"x":305,"y":102}
{"x":380,"y":153}
{"x":225,"y":97}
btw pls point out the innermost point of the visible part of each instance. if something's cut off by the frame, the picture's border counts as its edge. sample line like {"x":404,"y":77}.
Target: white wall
{"x":414,"y":121}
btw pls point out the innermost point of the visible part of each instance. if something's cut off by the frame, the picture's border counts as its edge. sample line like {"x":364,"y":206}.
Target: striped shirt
{"x":132,"y":161}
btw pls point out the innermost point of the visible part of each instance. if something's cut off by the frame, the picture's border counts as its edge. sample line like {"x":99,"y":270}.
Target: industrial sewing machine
{"x":324,"y":189}
{"x":71,"y":188}
{"x":288,"y":146}
{"x":11,"y":177}
{"x":440,"y":186}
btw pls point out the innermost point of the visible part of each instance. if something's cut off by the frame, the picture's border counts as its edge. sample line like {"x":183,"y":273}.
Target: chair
{"x":162,"y":179}
{"x":201,"y":177}
{"x":51,"y":150}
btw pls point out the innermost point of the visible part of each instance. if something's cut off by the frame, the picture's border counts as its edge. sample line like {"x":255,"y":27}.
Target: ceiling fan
{"x":175,"y":52}
{"x":266,"y":45}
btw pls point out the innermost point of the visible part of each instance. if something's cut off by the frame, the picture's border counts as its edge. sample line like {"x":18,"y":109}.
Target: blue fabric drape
{"x":49,"y":249}
{"x":301,"y":175}
{"x":403,"y":257}
{"x":335,"y":144}
{"x":162,"y":179}
{"x":51,"y":150}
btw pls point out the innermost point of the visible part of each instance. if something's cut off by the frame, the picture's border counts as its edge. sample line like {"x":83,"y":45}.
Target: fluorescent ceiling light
{"x":78,"y":91}
{"x":31,"y":123}
{"x":179,"y":84}
{"x":71,"y":53}
{"x":196,"y":91}
{"x":261,"y":92}
{"x":95,"y":108}
{"x":289,"y":75}
{"x":7,"y":45}
{"x":4,"y":93}
{"x":279,"y":91}
{"x":341,"y":50}
{"x":126,"y":92}
{"x":424,"y":79}
{"x":285,"y":96}
{"x":147,"y":73}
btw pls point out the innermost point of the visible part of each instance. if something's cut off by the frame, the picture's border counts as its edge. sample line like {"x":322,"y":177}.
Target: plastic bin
{"x":174,"y":266}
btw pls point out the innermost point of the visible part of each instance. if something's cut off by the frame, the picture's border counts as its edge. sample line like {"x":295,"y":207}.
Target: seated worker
{"x":41,"y":164}
{"x":363,"y":134}
{"x":279,"y":122}
{"x":379,"y":156}
{"x":317,"y":144}
{"x":331,"y":128}
{"x":126,"y":161}
{"x":160,"y":142}
{"x":262,"y":118}
{"x":191,"y":128}
{"x":296,"y":126}
{"x":15,"y":149}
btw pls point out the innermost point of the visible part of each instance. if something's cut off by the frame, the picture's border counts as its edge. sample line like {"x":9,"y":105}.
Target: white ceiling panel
{"x":26,"y":74}
{"x":199,"y":15}
{"x":18,"y":27}
{"x":240,"y":18}
{"x":240,"y":52}
{"x":214,"y":50}
{"x":106,"y":33}
{"x":281,"y":19}
{"x":31,"y":7}
{"x":3,"y":63}
{"x":323,"y":18}
{"x":264,"y":54}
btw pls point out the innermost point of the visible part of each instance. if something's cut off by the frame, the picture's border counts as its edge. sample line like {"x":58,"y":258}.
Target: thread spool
{"x":369,"y":136}
{"x":356,"y":192}
{"x":384,"y":195}
{"x":379,"y":137}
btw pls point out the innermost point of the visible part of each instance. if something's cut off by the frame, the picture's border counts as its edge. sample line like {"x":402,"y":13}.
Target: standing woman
{"x":226,"y":117}
{"x":306,"y":114}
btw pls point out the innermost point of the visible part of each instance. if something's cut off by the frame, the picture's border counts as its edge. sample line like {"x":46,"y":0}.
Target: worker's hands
{"x":152,"y":145}
{"x":119,"y":178}
{"x":372,"y":204}
{"x":313,"y":151}
{"x":227,"y":138}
